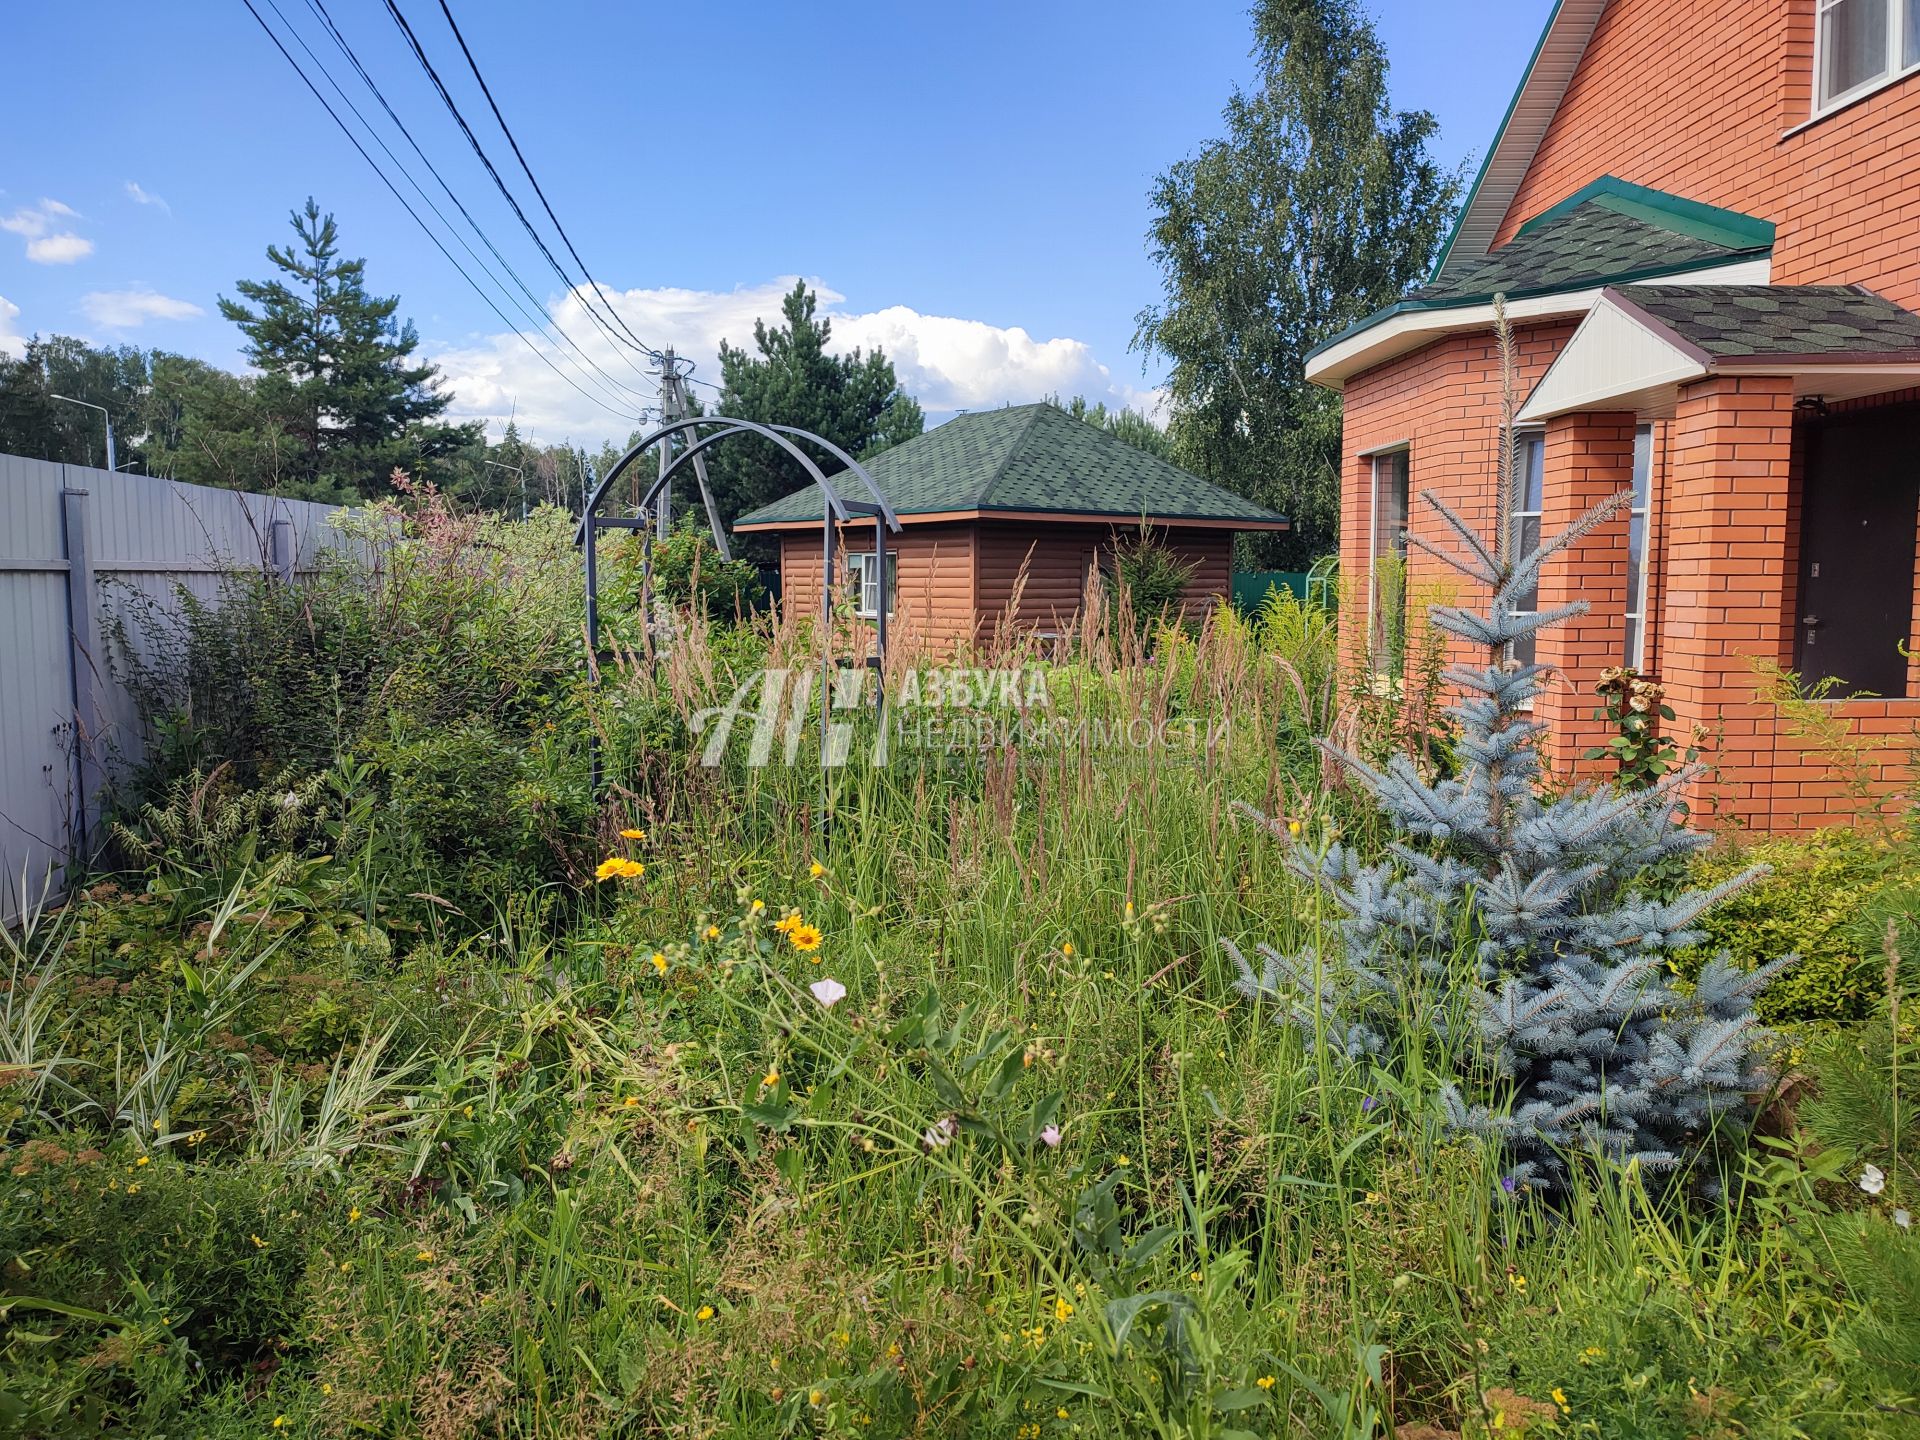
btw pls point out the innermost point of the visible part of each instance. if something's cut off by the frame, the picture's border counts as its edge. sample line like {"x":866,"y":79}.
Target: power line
{"x":426,"y":229}
{"x":538,"y":316}
{"x":472,"y":65}
{"x":453,"y":109}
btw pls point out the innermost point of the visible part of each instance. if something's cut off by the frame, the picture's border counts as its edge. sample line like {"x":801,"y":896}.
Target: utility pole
{"x":675,"y":406}
{"x":108,"y":418}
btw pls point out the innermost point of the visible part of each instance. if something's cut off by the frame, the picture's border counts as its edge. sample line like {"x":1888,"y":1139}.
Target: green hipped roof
{"x":1610,"y":232}
{"x":1024,"y":458}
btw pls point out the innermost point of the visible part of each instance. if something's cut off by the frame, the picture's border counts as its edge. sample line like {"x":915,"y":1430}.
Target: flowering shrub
{"x":1633,"y":705}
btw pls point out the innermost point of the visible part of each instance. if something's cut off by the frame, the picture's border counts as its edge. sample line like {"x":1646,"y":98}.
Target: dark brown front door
{"x":1857,"y":550}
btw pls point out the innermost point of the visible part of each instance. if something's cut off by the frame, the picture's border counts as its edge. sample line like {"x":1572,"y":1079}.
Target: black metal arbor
{"x":837,"y":510}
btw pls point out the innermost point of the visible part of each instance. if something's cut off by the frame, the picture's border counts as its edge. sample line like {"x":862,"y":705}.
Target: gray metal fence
{"x":77,"y":547}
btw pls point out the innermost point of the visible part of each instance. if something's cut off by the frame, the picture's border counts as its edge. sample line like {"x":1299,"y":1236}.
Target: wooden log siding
{"x":933,"y":577}
{"x":953,"y":580}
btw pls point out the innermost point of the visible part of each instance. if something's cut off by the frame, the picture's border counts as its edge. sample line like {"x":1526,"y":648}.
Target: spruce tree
{"x":1576,"y":1038}
{"x":337,"y":370}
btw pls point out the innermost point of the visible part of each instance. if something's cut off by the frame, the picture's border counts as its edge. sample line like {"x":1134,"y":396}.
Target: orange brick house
{"x":1704,"y":217}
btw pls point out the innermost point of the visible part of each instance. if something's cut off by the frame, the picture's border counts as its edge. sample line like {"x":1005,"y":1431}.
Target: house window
{"x":863,"y":579}
{"x":1523,"y":521}
{"x":1387,"y":562}
{"x":1863,"y":43}
{"x":1637,"y":567}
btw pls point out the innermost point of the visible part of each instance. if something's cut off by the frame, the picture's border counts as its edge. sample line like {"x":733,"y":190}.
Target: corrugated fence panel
{"x":145,"y":541}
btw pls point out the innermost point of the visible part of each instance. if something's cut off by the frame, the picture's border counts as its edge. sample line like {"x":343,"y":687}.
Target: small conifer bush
{"x":1575,"y":1037}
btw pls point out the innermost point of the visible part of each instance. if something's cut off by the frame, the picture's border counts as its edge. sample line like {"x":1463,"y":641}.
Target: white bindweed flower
{"x":828,"y":992}
{"x":1050,"y":1136}
{"x":1903,"y":1219}
{"x":1873,"y":1179}
{"x":939,"y":1134}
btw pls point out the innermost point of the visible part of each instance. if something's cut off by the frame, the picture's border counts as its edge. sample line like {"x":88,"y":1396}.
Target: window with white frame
{"x":863,"y":579}
{"x":1637,"y":567}
{"x":1523,"y":523}
{"x":1859,"y":44}
{"x":1387,"y":562}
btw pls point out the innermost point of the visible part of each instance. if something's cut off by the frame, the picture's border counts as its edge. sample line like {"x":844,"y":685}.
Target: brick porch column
{"x":1589,"y":456}
{"x":1726,"y":576}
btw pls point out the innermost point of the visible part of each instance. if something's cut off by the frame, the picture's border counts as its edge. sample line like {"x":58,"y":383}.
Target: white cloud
{"x":46,"y":244}
{"x":11,"y":341}
{"x":125,"y":309}
{"x":142,"y":196}
{"x":947,"y":363}
{"x":61,"y":249}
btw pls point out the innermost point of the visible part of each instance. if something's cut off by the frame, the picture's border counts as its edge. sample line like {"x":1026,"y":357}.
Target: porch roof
{"x":1640,"y":344}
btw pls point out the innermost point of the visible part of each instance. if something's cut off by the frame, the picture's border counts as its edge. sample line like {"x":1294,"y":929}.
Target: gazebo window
{"x":863,"y":577}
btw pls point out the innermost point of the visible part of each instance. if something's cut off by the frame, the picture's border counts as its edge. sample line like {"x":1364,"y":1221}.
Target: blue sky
{"x":967,"y":185}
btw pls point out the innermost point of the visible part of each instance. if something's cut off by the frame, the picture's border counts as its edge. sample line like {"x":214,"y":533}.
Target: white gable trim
{"x":1534,"y":104}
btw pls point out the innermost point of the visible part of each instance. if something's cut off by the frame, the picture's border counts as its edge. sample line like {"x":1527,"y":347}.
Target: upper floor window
{"x":1863,"y":43}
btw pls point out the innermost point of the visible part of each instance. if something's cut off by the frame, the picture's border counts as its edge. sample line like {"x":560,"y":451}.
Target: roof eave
{"x":1330,"y":365}
{"x":1061,"y":517}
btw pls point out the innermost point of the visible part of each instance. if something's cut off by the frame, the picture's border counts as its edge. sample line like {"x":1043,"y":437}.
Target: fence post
{"x":82,"y":654}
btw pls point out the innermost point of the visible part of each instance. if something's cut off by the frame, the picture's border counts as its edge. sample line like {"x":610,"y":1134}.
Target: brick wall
{"x":1703,"y":100}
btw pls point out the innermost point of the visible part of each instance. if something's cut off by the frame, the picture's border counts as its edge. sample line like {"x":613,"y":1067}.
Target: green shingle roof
{"x":1731,"y":321}
{"x":1609,"y":233}
{"x":1024,"y":458}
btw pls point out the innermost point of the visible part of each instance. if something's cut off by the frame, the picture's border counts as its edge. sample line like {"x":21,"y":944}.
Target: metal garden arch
{"x":837,"y":510}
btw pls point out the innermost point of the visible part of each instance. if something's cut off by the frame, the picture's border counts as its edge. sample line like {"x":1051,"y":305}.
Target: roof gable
{"x":1024,"y":459}
{"x":1542,"y":86}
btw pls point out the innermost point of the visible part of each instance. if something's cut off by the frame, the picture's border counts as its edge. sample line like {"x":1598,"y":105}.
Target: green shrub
{"x":1819,"y":902}
{"x":1151,"y":579}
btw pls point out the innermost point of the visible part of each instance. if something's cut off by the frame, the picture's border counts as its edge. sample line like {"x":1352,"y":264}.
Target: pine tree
{"x":337,"y":370}
{"x":854,"y":400}
{"x":1585,"y":1045}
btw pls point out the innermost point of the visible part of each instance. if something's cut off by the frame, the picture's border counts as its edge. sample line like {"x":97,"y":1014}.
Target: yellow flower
{"x":804,"y":937}
{"x":1265,"y":1382}
{"x":346,"y":1267}
{"x":705,"y":1312}
{"x":1293,"y":827}
{"x":1121,"y":1160}
{"x":758,"y":906}
{"x":816,"y":870}
{"x":1062,"y":1307}
{"x":325,"y":1389}
{"x":1519,"y":1282}
{"x":144,"y":1160}
{"x":1061,"y":1411}
{"x":659,"y":962}
{"x":712,"y":932}
{"x":1559,"y":1397}
{"x":770,"y":1079}
{"x":1067,"y":949}
{"x":133,"y":1187}
{"x":353,"y":1215}
{"x":619,"y":867}
{"x":279,"y":1422}
{"x":258,"y":1243}
{"x":816,"y":1397}
{"x":424,"y":1255}
{"x":633,"y":834}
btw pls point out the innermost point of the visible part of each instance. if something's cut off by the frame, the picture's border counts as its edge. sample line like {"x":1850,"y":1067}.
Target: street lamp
{"x":108,"y":418}
{"x":523,"y":482}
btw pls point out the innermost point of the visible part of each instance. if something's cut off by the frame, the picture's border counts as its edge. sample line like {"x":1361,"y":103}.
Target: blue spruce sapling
{"x":1586,"y":1044}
